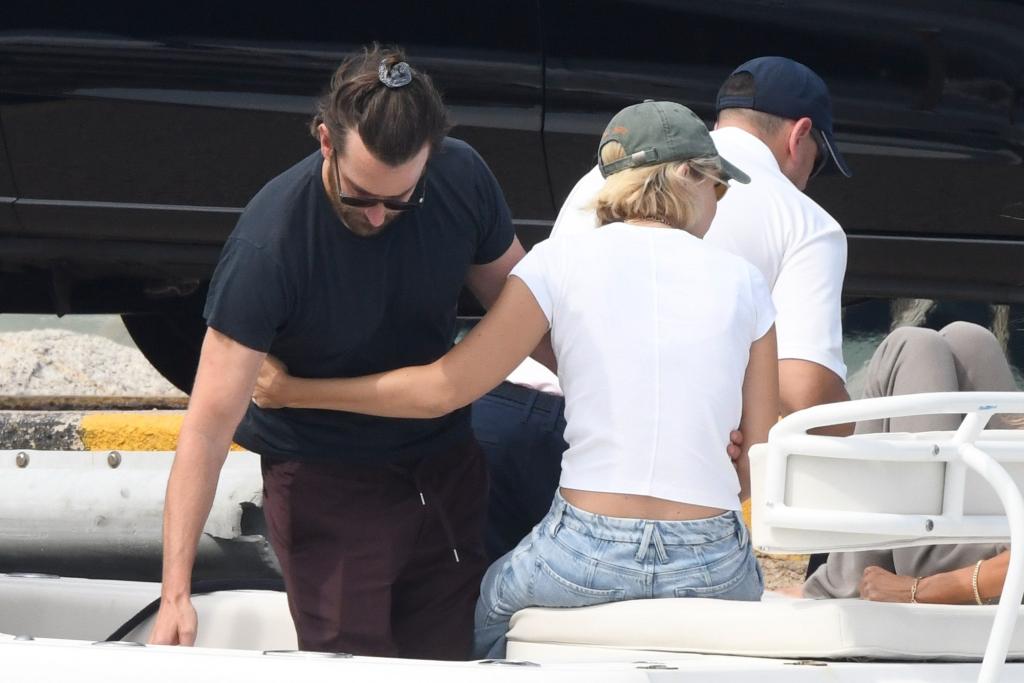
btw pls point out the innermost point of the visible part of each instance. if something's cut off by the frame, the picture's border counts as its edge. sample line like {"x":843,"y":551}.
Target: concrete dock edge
{"x":154,"y":430}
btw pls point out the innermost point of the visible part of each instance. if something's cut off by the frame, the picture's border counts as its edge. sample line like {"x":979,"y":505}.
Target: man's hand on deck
{"x":176,"y":623}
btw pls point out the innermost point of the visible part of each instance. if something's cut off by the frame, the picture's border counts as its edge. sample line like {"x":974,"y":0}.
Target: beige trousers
{"x":960,"y":357}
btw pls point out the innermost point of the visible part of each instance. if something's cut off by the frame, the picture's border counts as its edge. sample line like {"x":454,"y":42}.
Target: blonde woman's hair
{"x":662,"y":192}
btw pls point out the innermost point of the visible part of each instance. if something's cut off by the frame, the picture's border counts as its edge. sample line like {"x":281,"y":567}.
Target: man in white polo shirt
{"x":775,"y":120}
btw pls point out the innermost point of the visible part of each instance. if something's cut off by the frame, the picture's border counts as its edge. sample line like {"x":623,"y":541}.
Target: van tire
{"x":170,"y":342}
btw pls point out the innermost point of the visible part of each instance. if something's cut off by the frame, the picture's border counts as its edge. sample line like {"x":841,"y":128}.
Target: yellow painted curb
{"x":155,"y":431}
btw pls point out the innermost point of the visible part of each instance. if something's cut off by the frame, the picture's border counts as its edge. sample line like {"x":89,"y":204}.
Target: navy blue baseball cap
{"x":791,"y":90}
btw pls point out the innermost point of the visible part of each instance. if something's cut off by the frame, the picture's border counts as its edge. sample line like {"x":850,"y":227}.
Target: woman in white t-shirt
{"x":664,"y":344}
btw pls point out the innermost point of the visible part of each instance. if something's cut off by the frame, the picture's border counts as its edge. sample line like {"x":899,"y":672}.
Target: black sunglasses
{"x":823,"y":154}
{"x":366,"y":201}
{"x":721,"y":185}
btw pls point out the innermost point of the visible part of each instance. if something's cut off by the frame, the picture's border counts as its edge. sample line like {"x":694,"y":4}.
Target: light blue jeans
{"x":574,"y":558}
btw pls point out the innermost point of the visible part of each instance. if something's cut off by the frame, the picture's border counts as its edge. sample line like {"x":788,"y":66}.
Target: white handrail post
{"x":1013,"y":588}
{"x":971,"y":427}
{"x":956,"y":471}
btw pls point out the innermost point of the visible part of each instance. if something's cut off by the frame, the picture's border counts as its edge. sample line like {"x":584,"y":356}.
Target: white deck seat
{"x":820,"y":494}
{"x":775,"y":627}
{"x":78,"y":609}
{"x":92,"y":609}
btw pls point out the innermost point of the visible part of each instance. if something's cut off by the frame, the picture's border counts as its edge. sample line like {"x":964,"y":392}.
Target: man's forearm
{"x":742,"y":465}
{"x":838,"y":394}
{"x":223,"y":386}
{"x":803,"y":384}
{"x":190,"y":492}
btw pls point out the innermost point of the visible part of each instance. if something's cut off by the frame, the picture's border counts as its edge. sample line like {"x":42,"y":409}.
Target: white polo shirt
{"x":652,"y":330}
{"x":798,"y":247}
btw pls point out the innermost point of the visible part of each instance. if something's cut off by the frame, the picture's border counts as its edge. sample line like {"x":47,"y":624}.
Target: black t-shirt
{"x":294,"y":281}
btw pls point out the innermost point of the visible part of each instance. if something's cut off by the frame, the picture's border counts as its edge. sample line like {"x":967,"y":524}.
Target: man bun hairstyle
{"x":395,"y":115}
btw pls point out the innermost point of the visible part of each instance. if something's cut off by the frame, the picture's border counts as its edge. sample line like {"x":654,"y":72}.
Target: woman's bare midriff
{"x":632,"y":506}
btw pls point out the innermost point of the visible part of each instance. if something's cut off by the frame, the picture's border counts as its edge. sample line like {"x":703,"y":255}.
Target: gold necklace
{"x":648,"y":219}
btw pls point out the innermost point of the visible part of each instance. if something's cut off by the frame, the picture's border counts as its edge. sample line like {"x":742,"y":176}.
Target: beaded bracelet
{"x":974,"y":583}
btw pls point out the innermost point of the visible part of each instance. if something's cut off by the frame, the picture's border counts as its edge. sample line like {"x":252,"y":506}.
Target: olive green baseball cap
{"x":659,"y":132}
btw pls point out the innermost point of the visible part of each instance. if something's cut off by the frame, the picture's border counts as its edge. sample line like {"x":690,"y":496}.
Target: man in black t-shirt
{"x":350,"y":263}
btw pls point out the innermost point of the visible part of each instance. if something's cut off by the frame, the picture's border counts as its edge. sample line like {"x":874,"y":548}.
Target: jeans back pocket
{"x":552,"y":589}
{"x":734,"y":576}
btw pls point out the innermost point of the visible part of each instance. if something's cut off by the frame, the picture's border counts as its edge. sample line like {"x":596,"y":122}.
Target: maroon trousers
{"x":381,"y":560}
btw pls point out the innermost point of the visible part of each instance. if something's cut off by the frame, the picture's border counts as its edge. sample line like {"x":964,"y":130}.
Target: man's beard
{"x":355,"y":219}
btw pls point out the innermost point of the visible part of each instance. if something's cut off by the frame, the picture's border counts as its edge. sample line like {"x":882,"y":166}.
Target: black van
{"x":131,"y":134}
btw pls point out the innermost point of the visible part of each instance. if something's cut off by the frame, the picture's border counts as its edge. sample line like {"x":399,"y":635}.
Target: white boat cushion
{"x":92,"y":609}
{"x":775,"y":627}
{"x":79,"y":609}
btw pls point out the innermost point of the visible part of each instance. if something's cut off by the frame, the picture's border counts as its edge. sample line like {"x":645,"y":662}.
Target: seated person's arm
{"x":760,"y":403}
{"x":499,"y":342}
{"x":804,"y":383}
{"x":486,"y":281}
{"x":948,"y":588}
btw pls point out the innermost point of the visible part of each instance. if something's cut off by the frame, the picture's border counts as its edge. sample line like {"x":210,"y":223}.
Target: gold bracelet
{"x":974,"y":583}
{"x":913,"y":589}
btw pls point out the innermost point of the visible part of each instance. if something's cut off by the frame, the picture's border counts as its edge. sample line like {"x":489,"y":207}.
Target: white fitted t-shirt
{"x":652,"y":330}
{"x":798,"y":247}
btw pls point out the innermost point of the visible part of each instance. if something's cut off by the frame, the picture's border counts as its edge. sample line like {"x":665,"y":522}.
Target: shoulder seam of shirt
{"x":262,"y":250}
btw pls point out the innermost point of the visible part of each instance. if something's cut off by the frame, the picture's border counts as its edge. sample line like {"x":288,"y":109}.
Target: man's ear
{"x":800,"y":130}
{"x":325,"y":140}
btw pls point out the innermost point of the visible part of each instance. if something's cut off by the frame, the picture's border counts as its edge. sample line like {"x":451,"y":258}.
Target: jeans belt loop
{"x":741,"y":529}
{"x":645,"y":542}
{"x":659,"y":545}
{"x":556,"y":518}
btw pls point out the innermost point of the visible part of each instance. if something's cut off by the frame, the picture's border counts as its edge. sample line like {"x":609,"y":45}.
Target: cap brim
{"x":733,"y":172}
{"x":837,"y":158}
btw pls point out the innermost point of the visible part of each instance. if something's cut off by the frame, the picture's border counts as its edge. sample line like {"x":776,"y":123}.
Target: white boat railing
{"x":100,"y":513}
{"x":782,"y":523}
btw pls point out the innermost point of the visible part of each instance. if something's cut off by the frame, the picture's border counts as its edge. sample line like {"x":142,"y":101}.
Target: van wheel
{"x":170,"y":342}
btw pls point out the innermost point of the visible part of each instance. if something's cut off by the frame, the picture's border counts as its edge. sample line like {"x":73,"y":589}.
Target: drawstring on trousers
{"x":415,"y":477}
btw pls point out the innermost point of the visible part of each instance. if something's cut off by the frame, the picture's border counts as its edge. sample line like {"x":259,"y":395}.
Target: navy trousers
{"x":521,"y":433}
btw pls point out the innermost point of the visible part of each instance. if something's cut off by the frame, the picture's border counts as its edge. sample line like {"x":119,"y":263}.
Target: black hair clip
{"x":395,"y":76}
